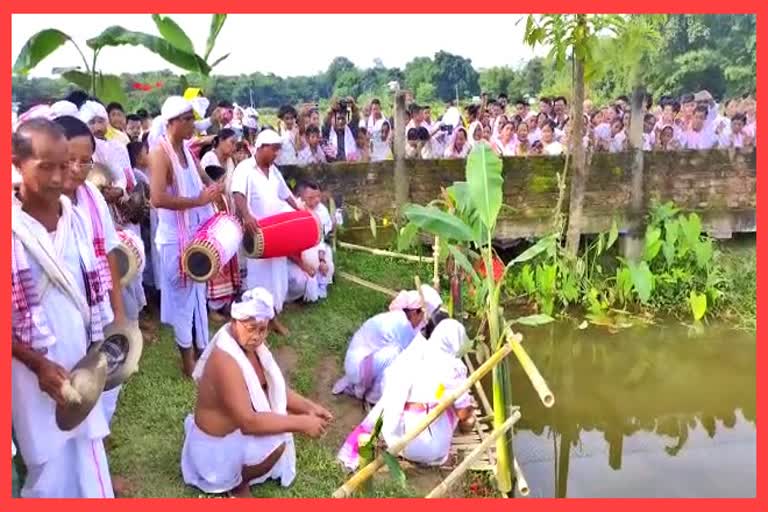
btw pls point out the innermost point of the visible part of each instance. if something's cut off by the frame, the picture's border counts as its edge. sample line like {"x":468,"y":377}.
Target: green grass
{"x":147,"y":432}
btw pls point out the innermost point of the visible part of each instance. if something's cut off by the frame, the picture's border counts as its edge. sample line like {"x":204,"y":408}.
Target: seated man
{"x":380,"y":339}
{"x":413,"y":385}
{"x":310,"y":272}
{"x":241,"y":432}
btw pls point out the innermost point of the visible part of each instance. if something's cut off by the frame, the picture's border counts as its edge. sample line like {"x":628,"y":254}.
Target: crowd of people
{"x":86,"y":178}
{"x":347,"y":133}
{"x":163,"y":177}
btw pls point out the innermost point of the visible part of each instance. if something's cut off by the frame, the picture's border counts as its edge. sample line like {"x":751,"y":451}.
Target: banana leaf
{"x":37,"y":48}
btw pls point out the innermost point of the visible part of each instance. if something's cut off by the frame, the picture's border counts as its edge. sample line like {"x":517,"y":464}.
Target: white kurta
{"x":372,"y":348}
{"x":215,"y":464}
{"x":300,"y":285}
{"x":183,"y":302}
{"x":266,"y":195}
{"x":60,"y":464}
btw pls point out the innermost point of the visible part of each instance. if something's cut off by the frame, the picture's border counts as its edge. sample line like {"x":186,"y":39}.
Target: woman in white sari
{"x":413,"y":385}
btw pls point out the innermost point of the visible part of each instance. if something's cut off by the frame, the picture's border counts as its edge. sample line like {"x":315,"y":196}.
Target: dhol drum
{"x":214,"y":244}
{"x":130,"y":256}
{"x":283,"y":234}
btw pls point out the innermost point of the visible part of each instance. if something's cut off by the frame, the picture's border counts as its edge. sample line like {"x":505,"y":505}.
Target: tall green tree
{"x":454,"y":72}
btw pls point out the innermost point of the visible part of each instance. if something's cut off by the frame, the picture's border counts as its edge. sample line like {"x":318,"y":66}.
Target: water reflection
{"x":643,"y":413}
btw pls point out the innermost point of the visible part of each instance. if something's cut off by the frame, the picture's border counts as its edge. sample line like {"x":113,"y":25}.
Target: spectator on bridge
{"x":382,"y":143}
{"x":699,"y":135}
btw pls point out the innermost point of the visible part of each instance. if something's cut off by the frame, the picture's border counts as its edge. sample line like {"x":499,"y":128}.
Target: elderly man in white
{"x":381,"y":338}
{"x":241,"y":432}
{"x":259,"y":191}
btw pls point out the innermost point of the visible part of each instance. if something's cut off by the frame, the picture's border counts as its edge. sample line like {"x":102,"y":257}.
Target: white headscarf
{"x":422,"y":359}
{"x":91,"y":110}
{"x":406,"y":299}
{"x":431,"y":298}
{"x":64,"y":108}
{"x":256,"y":304}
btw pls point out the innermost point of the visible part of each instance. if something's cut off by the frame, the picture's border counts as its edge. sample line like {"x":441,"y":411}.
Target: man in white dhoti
{"x":241,"y":433}
{"x":310,"y":273}
{"x":178,"y":191}
{"x":259,"y":191}
{"x":59,"y":307}
{"x":380,"y":339}
{"x":413,"y":385}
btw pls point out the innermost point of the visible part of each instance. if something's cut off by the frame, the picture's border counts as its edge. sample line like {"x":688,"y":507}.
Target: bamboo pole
{"x":390,"y":254}
{"x":520,"y":481}
{"x":451,"y":479}
{"x":366,"y":284}
{"x":368,"y":471}
{"x":538,"y":382}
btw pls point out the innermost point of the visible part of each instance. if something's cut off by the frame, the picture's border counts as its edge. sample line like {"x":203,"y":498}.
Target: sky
{"x":379,"y":36}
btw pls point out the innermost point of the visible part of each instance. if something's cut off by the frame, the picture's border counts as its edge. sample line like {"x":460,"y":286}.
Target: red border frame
{"x":7,"y":7}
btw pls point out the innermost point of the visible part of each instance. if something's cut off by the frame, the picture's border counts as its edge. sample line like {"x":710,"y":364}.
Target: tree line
{"x":712,"y":52}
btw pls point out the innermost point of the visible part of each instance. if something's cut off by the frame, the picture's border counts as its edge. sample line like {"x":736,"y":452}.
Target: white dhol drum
{"x":215,"y":243}
{"x":130,"y":256}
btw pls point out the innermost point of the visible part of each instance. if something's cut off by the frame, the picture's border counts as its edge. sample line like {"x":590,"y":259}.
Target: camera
{"x":446,"y":128}
{"x":343,"y":104}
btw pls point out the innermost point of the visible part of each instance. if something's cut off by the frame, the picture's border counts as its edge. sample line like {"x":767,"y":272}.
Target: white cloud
{"x":292,"y":44}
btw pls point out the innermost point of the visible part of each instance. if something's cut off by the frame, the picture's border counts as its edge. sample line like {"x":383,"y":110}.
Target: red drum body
{"x":283,"y":234}
{"x":130,"y":256}
{"x":215,"y":243}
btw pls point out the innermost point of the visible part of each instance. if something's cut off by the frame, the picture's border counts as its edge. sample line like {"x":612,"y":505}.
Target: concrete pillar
{"x":401,"y":173}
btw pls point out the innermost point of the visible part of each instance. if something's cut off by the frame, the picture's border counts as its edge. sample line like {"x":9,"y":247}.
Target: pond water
{"x":648,"y":412}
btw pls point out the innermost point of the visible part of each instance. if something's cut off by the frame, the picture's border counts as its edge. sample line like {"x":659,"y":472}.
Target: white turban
{"x":431,"y":298}
{"x":268,"y":138}
{"x":406,"y":299}
{"x":91,"y":110}
{"x":256,"y":304}
{"x":173,"y":107}
{"x":64,"y":108}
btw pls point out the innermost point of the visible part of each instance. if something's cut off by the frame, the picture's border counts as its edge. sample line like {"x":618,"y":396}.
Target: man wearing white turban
{"x":182,"y":194}
{"x":413,"y":385}
{"x":241,"y":432}
{"x":259,"y":191}
{"x":378,"y":342}
{"x":111,"y":153}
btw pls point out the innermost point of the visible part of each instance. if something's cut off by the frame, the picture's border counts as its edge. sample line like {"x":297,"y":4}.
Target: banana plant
{"x":173,"y":45}
{"x":465,"y":220}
